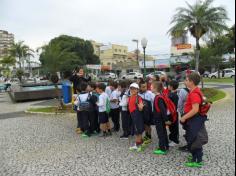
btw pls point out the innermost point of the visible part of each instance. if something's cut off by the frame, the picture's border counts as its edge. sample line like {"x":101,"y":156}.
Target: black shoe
{"x":124,"y":136}
{"x":184,"y":149}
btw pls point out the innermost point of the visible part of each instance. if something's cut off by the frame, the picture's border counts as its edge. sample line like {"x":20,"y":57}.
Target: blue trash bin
{"x":66,"y":92}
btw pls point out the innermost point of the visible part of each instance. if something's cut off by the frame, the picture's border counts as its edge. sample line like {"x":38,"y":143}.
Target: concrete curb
{"x":223,"y":99}
{"x":48,"y":113}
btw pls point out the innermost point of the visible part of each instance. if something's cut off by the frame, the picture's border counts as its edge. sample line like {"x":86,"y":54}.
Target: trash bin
{"x":66,"y":92}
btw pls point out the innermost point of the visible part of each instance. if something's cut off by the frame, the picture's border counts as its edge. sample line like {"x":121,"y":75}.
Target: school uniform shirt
{"x":102,"y":102}
{"x":108,"y":91}
{"x":148,"y":96}
{"x":182,"y":100}
{"x":194,"y":97}
{"x":133,"y":103}
{"x":124,"y":102}
{"x":115,"y":96}
{"x":82,"y":97}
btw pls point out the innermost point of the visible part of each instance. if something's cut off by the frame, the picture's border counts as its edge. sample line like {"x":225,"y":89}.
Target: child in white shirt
{"x":103,"y":104}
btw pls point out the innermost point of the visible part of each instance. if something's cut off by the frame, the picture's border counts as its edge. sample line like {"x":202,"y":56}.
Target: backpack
{"x":171,"y":109}
{"x":205,"y":106}
{"x":187,"y":90}
{"x":136,"y":102}
{"x":85,"y":105}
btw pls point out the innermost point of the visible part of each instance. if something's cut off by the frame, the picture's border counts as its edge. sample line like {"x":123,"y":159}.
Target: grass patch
{"x":213,"y":94}
{"x":51,"y":110}
{"x":221,"y":80}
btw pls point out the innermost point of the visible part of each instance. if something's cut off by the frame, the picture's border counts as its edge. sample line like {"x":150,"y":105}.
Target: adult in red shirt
{"x":193,"y":121}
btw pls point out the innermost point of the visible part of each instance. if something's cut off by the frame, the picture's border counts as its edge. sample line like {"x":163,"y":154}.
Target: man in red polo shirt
{"x":193,"y":121}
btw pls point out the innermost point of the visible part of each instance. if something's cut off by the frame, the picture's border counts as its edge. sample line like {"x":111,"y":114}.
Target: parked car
{"x":156,"y":73}
{"x":132,"y":75}
{"x":206,"y":74}
{"x":228,"y":73}
{"x":107,"y":76}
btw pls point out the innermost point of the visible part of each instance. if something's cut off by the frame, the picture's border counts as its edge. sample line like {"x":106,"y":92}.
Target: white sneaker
{"x":172,"y":144}
{"x":133,"y":148}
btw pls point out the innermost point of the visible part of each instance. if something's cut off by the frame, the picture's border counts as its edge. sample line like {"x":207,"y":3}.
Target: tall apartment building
{"x":6,"y":40}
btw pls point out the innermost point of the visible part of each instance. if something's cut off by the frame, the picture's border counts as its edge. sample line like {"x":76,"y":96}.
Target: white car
{"x":157,"y":73}
{"x":229,"y":73}
{"x":132,"y":75}
{"x":108,"y":76}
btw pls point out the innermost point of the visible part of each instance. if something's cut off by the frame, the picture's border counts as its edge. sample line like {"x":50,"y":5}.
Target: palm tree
{"x":200,"y":19}
{"x":6,"y":62}
{"x":21,"y":51}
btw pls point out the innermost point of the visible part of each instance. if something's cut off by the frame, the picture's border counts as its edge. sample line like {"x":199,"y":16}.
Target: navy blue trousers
{"x":193,"y":126}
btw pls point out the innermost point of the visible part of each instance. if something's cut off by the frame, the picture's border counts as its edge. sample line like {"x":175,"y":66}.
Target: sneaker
{"x":190,"y":158}
{"x":194,"y":164}
{"x":133,"y":148}
{"x":172,"y":144}
{"x":160,"y":152}
{"x":95,"y":133}
{"x":184,"y":149}
{"x":147,"y":140}
{"x":86,"y":135}
{"x":78,"y":131}
{"x":124,"y":136}
{"x":141,"y":148}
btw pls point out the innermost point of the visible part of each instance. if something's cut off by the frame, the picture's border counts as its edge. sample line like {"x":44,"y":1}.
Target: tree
{"x":200,"y":19}
{"x":20,"y":51}
{"x":6,"y":62}
{"x":64,"y":53}
{"x":19,"y":74}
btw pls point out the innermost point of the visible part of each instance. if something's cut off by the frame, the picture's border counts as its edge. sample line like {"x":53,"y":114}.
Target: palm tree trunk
{"x":19,"y":62}
{"x":197,"y":52}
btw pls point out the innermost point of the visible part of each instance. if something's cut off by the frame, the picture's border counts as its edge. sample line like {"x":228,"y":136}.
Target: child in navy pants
{"x":194,"y":122}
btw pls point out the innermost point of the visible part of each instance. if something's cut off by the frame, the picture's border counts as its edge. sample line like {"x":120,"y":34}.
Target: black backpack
{"x":85,"y":105}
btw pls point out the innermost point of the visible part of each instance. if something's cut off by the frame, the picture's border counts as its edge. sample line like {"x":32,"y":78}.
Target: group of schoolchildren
{"x":142,"y":105}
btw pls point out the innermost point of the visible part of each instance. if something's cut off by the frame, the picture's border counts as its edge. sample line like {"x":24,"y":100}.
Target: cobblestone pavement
{"x":47,"y":145}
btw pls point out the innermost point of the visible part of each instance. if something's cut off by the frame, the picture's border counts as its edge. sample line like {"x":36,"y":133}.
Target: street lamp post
{"x":144,"y":45}
{"x":136,"y":41}
{"x":137,"y":51}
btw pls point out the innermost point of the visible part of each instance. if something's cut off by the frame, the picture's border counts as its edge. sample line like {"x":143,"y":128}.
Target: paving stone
{"x":47,"y":145}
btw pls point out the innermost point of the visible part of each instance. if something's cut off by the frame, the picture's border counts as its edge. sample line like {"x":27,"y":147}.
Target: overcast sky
{"x":114,"y":21}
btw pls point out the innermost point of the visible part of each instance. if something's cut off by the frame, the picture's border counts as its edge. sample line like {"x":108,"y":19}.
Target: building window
{"x":120,"y":50}
{"x":115,"y":50}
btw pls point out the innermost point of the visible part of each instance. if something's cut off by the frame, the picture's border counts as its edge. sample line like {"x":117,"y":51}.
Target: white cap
{"x":134,"y":85}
